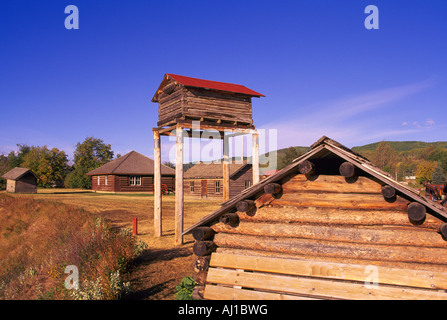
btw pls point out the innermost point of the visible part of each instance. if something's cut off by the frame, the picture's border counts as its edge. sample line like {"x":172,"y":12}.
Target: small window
{"x":217,"y":186}
{"x":99,"y":180}
{"x":135,"y":180}
{"x":247,"y":184}
{"x":191,"y":186}
{"x":107,"y":180}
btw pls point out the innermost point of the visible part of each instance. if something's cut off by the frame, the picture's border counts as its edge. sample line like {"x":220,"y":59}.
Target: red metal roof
{"x":209,"y":84}
{"x":216,"y":85}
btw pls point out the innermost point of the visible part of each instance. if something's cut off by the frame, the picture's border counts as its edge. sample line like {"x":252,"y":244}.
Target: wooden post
{"x":179,"y":186}
{"x":135,"y":226}
{"x":255,"y":158}
{"x":157,"y":186}
{"x":226,"y":168}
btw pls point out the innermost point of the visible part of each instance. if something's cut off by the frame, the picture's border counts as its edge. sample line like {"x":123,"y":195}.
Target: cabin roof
{"x":206,"y":84}
{"x":17,"y":173}
{"x":212,"y":170}
{"x":325,"y":147}
{"x":131,"y":163}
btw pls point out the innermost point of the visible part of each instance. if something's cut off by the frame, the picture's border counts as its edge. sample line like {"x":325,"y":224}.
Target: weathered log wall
{"x":177,"y":101}
{"x":327,"y":219}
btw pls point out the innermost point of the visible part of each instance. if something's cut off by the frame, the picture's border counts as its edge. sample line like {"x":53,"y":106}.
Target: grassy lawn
{"x":162,"y":265}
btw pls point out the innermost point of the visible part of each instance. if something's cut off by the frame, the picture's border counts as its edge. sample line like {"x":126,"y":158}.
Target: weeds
{"x":38,"y":239}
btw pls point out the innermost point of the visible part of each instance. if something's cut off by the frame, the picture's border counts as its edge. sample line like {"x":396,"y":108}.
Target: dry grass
{"x":161,"y":267}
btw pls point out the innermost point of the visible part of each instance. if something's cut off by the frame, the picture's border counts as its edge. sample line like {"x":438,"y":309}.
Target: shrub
{"x":185,"y":289}
{"x":38,"y":239}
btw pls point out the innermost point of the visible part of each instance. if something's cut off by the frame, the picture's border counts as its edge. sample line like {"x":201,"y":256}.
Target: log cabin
{"x":330,"y":225}
{"x":205,"y":180}
{"x":21,"y":180}
{"x":132,"y":172}
{"x":182,"y":98}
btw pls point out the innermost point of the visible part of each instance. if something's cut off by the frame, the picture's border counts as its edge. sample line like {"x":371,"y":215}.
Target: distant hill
{"x":400,"y":146}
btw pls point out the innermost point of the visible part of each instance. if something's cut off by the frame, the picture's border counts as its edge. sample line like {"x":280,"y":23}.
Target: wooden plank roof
{"x":17,"y":173}
{"x":323,"y":147}
{"x":131,"y":163}
{"x":207,"y":84}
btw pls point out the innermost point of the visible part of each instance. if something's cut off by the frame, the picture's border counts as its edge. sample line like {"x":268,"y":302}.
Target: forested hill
{"x":400,"y":146}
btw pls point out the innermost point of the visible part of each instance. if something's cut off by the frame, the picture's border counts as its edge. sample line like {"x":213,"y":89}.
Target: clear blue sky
{"x":322,"y":71}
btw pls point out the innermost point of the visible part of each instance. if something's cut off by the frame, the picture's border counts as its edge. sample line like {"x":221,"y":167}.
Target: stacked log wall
{"x":179,"y":102}
{"x":333,"y":219}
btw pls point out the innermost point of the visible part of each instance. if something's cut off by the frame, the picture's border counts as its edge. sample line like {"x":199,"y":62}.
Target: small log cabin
{"x":132,"y":172}
{"x":21,"y":180}
{"x":182,"y":98}
{"x":330,"y":225}
{"x":206,"y":180}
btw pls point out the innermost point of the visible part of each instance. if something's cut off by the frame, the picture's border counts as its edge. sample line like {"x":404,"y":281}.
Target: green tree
{"x":385,"y":157}
{"x":439,"y":155}
{"x":15,"y":159}
{"x":424,"y":171}
{"x":89,"y":155}
{"x":290,"y":154}
{"x":49,"y":165}
{"x":438,"y":176}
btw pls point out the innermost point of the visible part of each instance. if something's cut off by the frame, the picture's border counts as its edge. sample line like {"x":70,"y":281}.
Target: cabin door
{"x":203,"y":186}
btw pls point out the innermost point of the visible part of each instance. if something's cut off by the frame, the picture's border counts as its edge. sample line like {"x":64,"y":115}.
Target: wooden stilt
{"x":255,"y":158}
{"x":226,"y":169}
{"x":157,"y":186}
{"x":179,"y":186}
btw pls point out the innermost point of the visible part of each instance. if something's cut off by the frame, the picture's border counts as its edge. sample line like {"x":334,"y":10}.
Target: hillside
{"x":400,"y":146}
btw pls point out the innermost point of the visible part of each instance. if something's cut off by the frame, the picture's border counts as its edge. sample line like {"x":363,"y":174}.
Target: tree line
{"x":53,"y":167}
{"x":427,"y":164}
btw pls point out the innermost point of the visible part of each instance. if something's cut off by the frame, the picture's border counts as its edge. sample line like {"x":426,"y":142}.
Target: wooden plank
{"x":326,"y":183}
{"x":341,"y":200}
{"x":319,"y":287}
{"x":329,"y":216}
{"x":410,"y":236}
{"x":229,"y":293}
{"x":322,"y":269}
{"x":157,"y":186}
{"x":179,"y":200}
{"x":374,"y":252}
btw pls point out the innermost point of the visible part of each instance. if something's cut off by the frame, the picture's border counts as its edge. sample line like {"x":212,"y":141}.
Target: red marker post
{"x":135,"y":226}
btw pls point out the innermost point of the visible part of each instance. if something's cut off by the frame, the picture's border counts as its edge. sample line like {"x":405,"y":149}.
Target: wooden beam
{"x":416,"y":213}
{"x":333,"y":270}
{"x":273,"y":188}
{"x":319,"y":287}
{"x":306,"y":167}
{"x":255,"y":158}
{"x":347,"y":169}
{"x":179,"y":201}
{"x":203,"y":233}
{"x":157,"y":186}
{"x":203,"y":248}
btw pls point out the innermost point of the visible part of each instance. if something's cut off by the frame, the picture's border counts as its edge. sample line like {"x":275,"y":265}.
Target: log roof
{"x":17,"y":173}
{"x":132,"y":163}
{"x":206,"y":84}
{"x":328,"y":149}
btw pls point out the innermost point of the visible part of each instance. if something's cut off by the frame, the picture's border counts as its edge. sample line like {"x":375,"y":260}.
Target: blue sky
{"x":322,"y":71}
